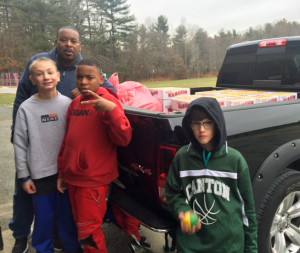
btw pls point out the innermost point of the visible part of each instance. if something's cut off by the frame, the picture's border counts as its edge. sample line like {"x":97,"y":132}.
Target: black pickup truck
{"x":267,"y":134}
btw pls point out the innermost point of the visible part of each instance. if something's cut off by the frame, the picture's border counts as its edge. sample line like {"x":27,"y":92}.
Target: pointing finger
{"x":93,"y":94}
{"x":89,"y":102}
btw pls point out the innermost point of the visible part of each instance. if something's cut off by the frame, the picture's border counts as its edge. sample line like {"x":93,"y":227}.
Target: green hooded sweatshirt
{"x":218,"y":188}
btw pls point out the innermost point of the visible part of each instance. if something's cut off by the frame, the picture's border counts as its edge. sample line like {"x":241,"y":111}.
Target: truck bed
{"x":254,"y":130}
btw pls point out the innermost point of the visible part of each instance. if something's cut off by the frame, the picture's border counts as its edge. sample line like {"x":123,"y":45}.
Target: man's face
{"x":68,"y":47}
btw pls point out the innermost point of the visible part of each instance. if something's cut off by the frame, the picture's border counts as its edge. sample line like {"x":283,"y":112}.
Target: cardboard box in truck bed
{"x":166,"y":94}
{"x":232,"y":97}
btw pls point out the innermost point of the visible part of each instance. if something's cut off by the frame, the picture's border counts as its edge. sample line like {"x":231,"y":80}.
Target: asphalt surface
{"x":117,"y":240}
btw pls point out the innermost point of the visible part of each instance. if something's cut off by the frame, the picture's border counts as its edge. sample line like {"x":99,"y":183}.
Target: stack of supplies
{"x":166,"y":94}
{"x":232,"y":97}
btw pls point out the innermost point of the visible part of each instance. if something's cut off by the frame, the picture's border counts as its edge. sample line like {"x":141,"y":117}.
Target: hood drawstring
{"x":226,"y":147}
{"x":189,"y":146}
{"x":206,"y":159}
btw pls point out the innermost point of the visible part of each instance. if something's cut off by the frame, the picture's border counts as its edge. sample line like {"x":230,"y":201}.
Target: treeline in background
{"x":110,"y":33}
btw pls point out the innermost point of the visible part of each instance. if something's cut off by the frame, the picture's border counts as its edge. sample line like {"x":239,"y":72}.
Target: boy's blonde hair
{"x":42,"y":59}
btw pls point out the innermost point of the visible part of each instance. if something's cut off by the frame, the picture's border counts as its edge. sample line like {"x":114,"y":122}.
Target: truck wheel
{"x":279,"y":216}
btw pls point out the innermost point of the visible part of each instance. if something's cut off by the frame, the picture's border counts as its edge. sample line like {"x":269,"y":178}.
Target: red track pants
{"x":89,"y":207}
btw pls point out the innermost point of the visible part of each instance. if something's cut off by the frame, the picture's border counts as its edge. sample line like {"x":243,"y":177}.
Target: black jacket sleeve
{"x":25,"y":90}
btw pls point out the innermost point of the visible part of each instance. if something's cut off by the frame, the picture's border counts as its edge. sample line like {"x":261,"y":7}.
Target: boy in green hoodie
{"x":212,"y":180}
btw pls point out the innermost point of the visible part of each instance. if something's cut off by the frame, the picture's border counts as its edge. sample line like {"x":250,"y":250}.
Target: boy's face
{"x":88,"y":78}
{"x":203,"y":129}
{"x":45,"y":76}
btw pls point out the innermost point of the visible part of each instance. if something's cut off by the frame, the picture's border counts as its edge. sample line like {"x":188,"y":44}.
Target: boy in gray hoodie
{"x":39,"y":130}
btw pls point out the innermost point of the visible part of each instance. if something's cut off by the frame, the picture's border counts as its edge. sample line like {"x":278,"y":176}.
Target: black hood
{"x":213,"y":110}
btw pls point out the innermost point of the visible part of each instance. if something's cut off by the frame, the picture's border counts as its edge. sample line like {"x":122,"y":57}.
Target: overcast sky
{"x":212,"y":15}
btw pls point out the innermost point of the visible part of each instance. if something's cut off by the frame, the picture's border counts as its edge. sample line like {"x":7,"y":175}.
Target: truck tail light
{"x":273,"y":43}
{"x":165,"y":157}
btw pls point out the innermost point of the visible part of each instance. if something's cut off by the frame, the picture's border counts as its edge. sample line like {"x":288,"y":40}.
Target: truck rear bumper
{"x":157,"y":220}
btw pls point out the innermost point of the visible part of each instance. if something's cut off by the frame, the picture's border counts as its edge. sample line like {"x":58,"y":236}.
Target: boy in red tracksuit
{"x":87,"y":162}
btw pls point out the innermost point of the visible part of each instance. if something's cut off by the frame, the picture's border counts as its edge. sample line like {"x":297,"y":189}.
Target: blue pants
{"x":46,"y":209}
{"x":23,"y":215}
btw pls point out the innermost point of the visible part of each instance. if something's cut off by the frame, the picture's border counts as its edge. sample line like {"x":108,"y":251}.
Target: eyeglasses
{"x":196,"y":125}
{"x":65,"y":40}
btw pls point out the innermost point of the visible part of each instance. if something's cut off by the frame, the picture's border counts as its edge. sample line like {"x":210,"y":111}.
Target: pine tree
{"x":119,"y":23}
{"x":179,"y":42}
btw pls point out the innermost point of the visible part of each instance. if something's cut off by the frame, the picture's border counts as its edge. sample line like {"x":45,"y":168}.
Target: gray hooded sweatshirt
{"x":39,"y":131}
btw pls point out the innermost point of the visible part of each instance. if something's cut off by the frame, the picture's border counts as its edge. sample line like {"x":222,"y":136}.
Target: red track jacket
{"x":88,"y":155}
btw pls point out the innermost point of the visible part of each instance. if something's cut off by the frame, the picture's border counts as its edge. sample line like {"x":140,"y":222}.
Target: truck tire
{"x":279,"y":216}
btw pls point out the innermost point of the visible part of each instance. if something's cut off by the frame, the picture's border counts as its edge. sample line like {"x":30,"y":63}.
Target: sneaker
{"x":170,"y":250}
{"x":144,"y":243}
{"x":21,"y":245}
{"x":58,"y":244}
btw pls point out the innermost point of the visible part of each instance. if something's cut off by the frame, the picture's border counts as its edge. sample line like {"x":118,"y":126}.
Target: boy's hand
{"x":29,"y":187}
{"x":61,"y":185}
{"x":75,"y":93}
{"x":187,"y":229}
{"x":101,"y":104}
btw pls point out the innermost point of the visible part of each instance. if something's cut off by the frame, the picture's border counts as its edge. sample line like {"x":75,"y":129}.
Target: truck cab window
{"x":284,"y":68}
{"x":238,"y":69}
{"x":268,"y":67}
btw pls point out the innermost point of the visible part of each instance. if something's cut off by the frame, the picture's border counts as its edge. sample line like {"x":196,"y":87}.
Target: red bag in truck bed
{"x":137,"y":95}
